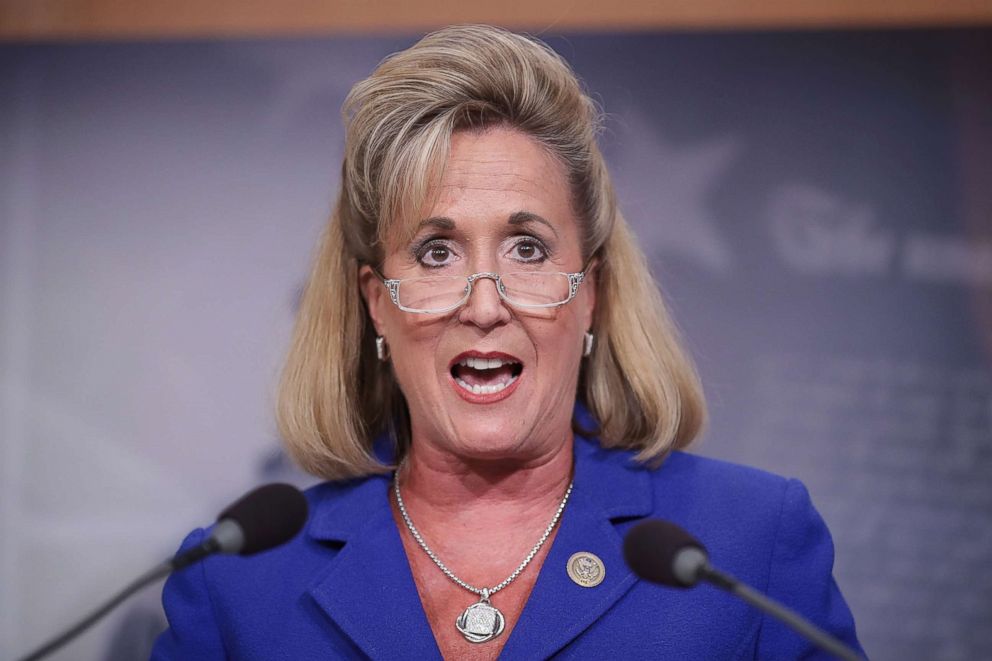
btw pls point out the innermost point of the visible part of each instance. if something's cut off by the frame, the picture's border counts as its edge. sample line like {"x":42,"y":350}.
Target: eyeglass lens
{"x":524,"y":289}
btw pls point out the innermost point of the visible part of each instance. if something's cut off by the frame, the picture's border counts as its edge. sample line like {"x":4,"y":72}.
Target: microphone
{"x":662,"y":552}
{"x":260,"y":520}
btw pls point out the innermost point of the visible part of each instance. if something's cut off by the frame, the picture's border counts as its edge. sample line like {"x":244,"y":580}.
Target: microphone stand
{"x":261,"y":519}
{"x":209,"y":546}
{"x":143,"y":580}
{"x":785,"y":615}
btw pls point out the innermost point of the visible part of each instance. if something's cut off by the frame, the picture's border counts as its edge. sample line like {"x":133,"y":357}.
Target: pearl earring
{"x":587,"y":348}
{"x":381,"y":350}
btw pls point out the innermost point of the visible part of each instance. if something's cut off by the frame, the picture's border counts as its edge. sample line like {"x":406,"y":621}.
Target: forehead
{"x":501,"y":161}
{"x":492,"y":176}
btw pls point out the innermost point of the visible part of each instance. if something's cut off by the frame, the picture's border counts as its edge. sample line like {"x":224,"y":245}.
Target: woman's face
{"x":489,"y":381}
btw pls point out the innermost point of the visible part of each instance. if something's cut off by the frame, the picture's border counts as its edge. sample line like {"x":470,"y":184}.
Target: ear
{"x":375,"y":295}
{"x":589,"y":289}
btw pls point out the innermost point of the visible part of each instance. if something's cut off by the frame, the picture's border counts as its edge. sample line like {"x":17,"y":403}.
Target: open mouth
{"x":485,"y":375}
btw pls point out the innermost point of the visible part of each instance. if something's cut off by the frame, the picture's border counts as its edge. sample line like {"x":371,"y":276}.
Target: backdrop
{"x":816,"y":207}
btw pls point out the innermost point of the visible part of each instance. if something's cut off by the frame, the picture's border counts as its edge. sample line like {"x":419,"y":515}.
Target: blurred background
{"x":812,"y":182}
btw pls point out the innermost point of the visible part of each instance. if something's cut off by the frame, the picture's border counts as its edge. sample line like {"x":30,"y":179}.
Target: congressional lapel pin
{"x":586,"y":569}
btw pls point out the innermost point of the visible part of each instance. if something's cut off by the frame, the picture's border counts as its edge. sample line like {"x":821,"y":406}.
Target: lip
{"x":489,"y":398}
{"x":483,"y":354}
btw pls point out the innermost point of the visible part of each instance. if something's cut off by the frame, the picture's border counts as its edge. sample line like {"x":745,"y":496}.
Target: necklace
{"x":481,"y":621}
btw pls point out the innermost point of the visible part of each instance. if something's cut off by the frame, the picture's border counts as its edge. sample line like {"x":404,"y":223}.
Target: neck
{"x":444,"y":484}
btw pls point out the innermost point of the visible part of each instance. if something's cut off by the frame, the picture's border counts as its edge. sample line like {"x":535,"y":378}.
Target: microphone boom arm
{"x":151,"y":576}
{"x":797,"y":622}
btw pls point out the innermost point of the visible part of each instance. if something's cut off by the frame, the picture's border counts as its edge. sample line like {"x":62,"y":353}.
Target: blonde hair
{"x":335,"y":396}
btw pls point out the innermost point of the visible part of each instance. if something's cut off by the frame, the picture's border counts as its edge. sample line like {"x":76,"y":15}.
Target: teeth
{"x":485,"y":390}
{"x":483,"y":363}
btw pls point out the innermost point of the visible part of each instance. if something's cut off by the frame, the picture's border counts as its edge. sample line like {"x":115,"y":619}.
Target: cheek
{"x":413,"y":351}
{"x":559,"y":343}
{"x":586,"y":304}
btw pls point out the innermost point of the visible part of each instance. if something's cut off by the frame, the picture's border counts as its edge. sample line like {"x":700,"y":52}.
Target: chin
{"x":494,"y":441}
{"x":489,"y":443}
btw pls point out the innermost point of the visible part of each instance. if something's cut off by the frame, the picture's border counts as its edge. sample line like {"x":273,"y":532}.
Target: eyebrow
{"x":439,"y":222}
{"x":526,"y":217}
{"x":516,"y":219}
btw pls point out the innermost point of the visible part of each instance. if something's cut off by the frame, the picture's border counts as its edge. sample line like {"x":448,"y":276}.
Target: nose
{"x":484,"y":307}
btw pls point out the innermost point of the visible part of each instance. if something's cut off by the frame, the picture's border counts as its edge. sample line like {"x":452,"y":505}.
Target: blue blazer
{"x":343,"y":587}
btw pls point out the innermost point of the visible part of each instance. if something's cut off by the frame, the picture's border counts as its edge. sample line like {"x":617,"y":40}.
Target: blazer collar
{"x":369,"y":592}
{"x":609,"y":487}
{"x":368,"y":589}
{"x":341,"y":510}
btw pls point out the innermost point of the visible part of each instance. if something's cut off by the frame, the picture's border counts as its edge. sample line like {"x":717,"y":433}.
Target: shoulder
{"x":687,"y":487}
{"x":764,"y":529}
{"x":337,"y":510}
{"x":729,"y":506}
{"x":743,"y":515}
{"x":681,"y":465}
{"x":757,"y":526}
{"x":230,"y":606}
{"x":694,"y":485}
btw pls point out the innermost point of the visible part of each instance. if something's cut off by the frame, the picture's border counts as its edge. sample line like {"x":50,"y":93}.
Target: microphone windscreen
{"x":651,"y":548}
{"x":268,"y":516}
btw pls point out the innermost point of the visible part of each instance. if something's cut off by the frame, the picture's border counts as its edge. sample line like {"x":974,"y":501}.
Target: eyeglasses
{"x":444,"y":293}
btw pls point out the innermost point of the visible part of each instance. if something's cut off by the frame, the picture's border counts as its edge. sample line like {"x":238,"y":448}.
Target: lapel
{"x":608,"y":487}
{"x":369,"y":592}
{"x":368,"y":589}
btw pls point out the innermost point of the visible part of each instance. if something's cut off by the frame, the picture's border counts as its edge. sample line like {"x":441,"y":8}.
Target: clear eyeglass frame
{"x":393,"y":286}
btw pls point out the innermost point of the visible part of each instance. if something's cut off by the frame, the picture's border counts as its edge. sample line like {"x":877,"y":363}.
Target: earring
{"x":381,"y":350}
{"x":587,"y":348}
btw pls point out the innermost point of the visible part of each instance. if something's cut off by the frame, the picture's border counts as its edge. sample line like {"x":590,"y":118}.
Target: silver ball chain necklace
{"x":481,"y":621}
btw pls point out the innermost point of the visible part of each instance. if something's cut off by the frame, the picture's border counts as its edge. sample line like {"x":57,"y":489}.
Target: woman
{"x":476,"y":298}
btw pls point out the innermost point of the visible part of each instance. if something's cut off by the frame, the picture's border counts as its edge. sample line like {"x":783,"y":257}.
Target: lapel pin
{"x":586,"y":569}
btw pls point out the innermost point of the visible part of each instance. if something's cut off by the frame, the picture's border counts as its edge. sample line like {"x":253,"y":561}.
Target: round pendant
{"x":480,"y":622}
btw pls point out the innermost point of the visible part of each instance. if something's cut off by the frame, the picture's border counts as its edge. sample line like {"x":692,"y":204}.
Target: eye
{"x":529,"y":250}
{"x":435,"y":254}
